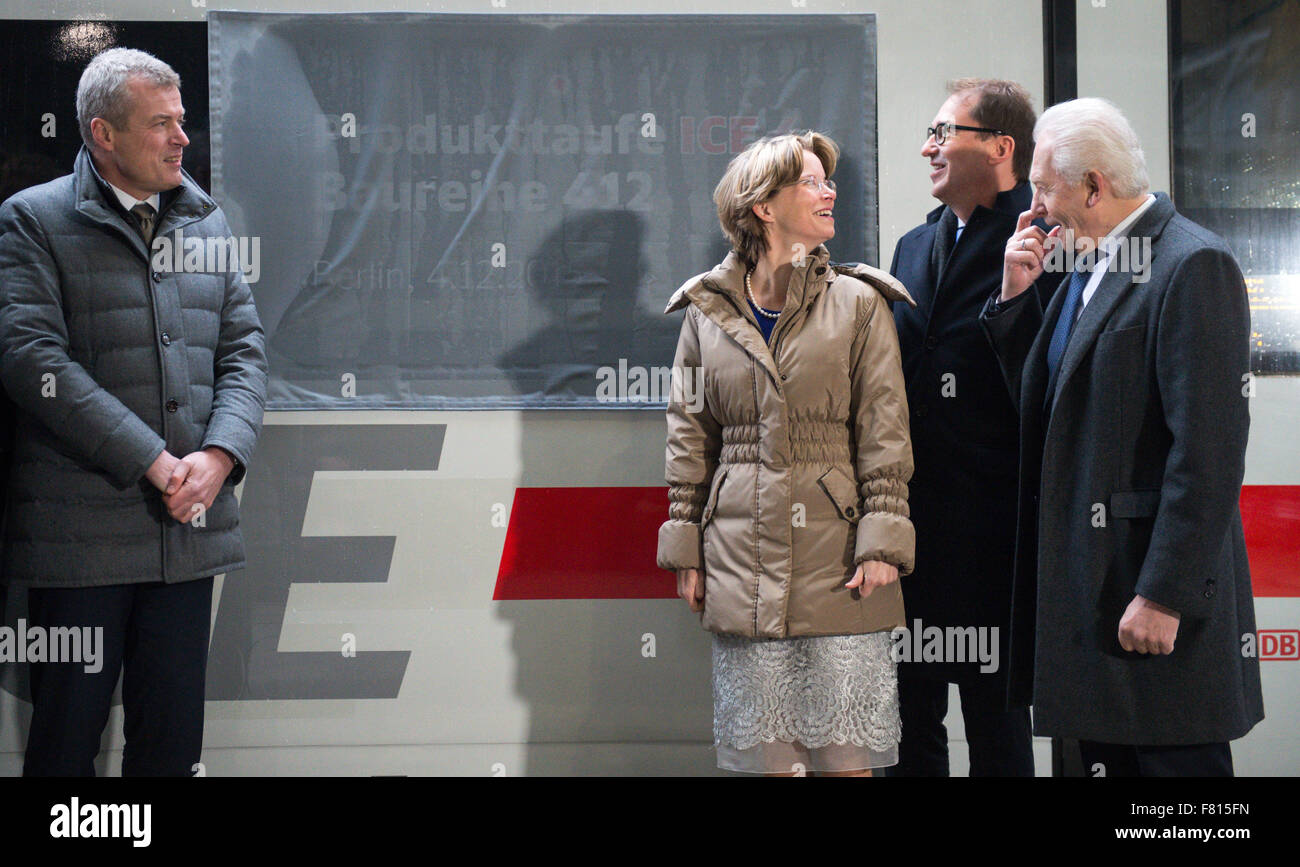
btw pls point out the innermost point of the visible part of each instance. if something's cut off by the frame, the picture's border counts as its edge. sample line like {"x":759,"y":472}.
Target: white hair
{"x":1092,"y":134}
{"x":102,"y":91}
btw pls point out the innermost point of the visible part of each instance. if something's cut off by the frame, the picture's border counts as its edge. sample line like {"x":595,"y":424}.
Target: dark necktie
{"x":144,"y":214}
{"x":1064,"y":328}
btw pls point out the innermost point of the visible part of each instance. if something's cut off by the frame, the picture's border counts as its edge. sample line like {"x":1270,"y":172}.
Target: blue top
{"x":764,"y":323}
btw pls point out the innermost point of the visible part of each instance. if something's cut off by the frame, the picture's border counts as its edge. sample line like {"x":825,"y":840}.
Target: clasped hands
{"x":870,"y":574}
{"x":195,"y":479}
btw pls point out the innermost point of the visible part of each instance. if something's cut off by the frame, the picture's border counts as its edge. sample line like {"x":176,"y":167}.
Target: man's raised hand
{"x":1022,"y":262}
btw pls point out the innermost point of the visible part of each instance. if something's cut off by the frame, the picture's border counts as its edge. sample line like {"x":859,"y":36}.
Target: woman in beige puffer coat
{"x":788,"y":459}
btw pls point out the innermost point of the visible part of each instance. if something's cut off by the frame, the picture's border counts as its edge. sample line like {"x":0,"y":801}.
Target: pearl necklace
{"x":749,"y":293}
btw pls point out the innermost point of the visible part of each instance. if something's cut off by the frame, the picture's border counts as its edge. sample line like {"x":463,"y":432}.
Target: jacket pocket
{"x":1126,"y":340}
{"x":843,"y":494}
{"x":1134,"y":504}
{"x":711,"y":505}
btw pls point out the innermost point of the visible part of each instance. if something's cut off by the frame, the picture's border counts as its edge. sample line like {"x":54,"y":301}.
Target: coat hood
{"x":883,"y":281}
{"x":807,"y":281}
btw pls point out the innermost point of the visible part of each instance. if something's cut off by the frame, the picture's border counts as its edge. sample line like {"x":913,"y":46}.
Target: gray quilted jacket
{"x":108,"y":361}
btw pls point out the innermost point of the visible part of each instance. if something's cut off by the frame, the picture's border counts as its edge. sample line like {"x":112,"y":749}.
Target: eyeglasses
{"x":944,"y":130}
{"x":816,"y":185}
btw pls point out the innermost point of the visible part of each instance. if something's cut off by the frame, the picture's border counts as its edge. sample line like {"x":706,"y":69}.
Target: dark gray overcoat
{"x":1130,"y":485}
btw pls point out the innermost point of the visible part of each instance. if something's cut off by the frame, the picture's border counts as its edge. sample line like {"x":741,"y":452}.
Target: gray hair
{"x":1092,"y":134}
{"x":103,"y":92}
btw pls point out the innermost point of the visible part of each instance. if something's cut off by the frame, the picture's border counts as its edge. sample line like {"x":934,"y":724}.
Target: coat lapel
{"x":180,"y":207}
{"x":724,"y":311}
{"x":986,"y":229}
{"x":1033,"y":385}
{"x":92,"y":204}
{"x":923,"y":286}
{"x":942,"y":243}
{"x":963,"y":251}
{"x":1110,"y":291}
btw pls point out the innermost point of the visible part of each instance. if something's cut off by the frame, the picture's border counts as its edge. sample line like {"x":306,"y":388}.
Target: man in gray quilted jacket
{"x":133,"y":353}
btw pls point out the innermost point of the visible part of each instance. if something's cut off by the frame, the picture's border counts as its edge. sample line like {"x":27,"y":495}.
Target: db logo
{"x":1272,"y":644}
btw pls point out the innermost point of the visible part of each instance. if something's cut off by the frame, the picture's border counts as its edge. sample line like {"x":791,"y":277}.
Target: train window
{"x":1235,"y":126}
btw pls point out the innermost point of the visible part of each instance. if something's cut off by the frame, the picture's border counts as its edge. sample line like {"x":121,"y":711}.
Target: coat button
{"x":173,"y":405}
{"x":166,"y":339}
{"x":850,"y":511}
{"x":157,"y":276}
{"x":784,"y":377}
{"x":821,"y":269}
{"x":931,"y":342}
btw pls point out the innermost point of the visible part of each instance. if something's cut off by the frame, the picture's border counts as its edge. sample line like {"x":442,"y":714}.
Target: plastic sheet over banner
{"x":490,"y":212}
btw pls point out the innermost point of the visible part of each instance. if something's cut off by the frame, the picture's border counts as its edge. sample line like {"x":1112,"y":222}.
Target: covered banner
{"x":490,"y":212}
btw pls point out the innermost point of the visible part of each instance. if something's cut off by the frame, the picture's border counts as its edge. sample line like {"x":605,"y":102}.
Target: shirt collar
{"x":129,"y":201}
{"x":1122,"y":229}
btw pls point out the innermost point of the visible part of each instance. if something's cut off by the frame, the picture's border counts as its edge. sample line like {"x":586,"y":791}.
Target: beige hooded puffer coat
{"x":793,"y":467}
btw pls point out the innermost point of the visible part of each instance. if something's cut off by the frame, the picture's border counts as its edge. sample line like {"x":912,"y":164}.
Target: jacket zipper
{"x":151,"y":287}
{"x":776,"y":342}
{"x":162,"y":362}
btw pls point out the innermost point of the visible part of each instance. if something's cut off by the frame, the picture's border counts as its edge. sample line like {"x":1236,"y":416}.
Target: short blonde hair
{"x":758,"y":173}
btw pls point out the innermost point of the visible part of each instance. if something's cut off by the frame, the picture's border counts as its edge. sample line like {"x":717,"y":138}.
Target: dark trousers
{"x":1120,"y":760}
{"x":156,"y":635}
{"x":1000,"y":741}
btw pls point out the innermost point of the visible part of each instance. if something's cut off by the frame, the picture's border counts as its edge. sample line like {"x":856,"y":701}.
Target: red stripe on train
{"x":584,"y":543}
{"x":599,"y":543}
{"x":1271,"y":515}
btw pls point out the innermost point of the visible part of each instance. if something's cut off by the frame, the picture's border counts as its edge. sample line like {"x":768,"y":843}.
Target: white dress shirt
{"x":1107,"y":248}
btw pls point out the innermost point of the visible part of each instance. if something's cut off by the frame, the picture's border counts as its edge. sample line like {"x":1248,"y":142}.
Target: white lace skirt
{"x":825,"y":703}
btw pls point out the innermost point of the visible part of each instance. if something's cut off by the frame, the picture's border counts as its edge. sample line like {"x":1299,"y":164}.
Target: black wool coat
{"x":965,"y":430}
